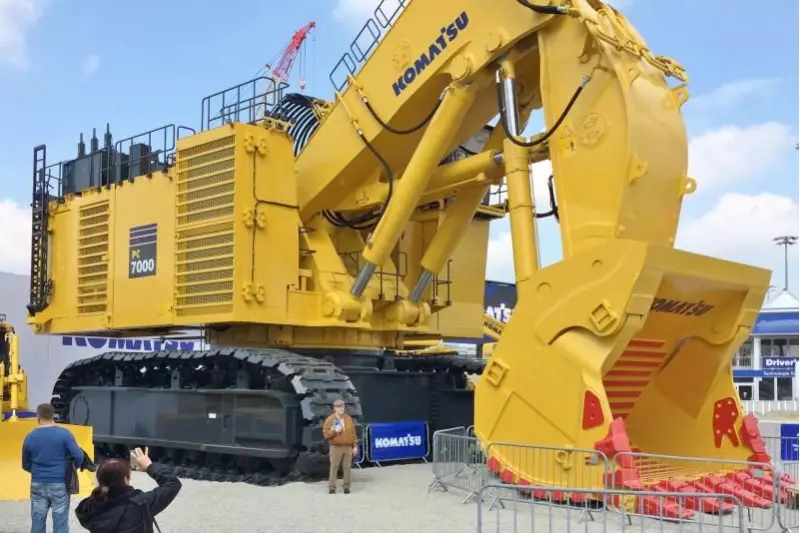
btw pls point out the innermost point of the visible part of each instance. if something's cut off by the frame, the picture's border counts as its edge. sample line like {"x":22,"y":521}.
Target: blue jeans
{"x":46,"y":496}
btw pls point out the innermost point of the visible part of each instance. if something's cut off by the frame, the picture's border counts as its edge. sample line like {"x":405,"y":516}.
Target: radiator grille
{"x":204,"y":229}
{"x":93,"y":230}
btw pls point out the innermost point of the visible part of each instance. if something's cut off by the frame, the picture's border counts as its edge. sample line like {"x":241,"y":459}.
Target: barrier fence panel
{"x":528,"y":464}
{"x":787,"y":513}
{"x":526,"y":512}
{"x":458,"y":462}
{"x":397,"y":441}
{"x":756,"y":485}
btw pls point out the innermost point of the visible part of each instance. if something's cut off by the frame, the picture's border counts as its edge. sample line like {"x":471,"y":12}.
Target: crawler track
{"x":230,"y":414}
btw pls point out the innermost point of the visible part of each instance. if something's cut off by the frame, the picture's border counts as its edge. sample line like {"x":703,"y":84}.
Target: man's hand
{"x":355,"y":449}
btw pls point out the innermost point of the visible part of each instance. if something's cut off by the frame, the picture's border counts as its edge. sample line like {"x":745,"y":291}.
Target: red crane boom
{"x":285,"y":63}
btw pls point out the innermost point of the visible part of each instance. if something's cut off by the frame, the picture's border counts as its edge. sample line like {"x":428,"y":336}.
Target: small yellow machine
{"x":15,"y":484}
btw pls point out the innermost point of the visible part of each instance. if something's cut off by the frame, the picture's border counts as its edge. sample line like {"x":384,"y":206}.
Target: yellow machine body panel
{"x":217,"y":239}
{"x":16,"y":482}
{"x":16,"y":485}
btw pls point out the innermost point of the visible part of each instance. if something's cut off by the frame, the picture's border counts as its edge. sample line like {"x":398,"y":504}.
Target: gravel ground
{"x":386,"y":500}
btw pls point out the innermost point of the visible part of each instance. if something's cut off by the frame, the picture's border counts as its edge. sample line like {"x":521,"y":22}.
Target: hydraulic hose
{"x":371,"y":219}
{"x":544,"y":10}
{"x":387,"y":127}
{"x":539,"y":140}
{"x":553,"y":207}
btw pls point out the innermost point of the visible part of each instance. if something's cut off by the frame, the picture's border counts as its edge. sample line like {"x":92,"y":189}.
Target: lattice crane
{"x":284,"y":65}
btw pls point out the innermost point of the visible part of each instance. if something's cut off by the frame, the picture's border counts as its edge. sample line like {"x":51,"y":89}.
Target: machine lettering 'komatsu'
{"x":310,"y":240}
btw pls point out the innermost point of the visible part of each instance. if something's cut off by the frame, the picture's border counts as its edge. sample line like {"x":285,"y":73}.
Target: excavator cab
{"x":14,"y":425}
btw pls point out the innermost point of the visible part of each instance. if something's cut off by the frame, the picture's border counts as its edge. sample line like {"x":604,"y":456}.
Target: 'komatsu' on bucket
{"x":622,"y":351}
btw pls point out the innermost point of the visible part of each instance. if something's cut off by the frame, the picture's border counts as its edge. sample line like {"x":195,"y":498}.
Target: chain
{"x":625,"y":40}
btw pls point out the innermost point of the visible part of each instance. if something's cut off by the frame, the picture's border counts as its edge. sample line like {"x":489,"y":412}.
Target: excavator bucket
{"x":16,"y":482}
{"x":625,"y":351}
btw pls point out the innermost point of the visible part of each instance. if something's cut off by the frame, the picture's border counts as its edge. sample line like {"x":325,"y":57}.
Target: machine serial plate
{"x":142,"y":255}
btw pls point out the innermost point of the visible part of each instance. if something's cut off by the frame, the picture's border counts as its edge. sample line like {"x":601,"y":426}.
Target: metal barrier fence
{"x":786,"y":512}
{"x":461,"y":462}
{"x":782,"y":449}
{"x":763,"y":407}
{"x":527,"y":464}
{"x":755,"y":484}
{"x":458,"y":462}
{"x":540,"y":514}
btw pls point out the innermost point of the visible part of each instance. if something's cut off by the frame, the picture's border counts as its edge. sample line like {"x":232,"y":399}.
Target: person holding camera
{"x":340,"y":431}
{"x":116,"y":507}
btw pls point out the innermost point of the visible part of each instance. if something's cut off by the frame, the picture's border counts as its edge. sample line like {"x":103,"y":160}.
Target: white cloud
{"x":500,"y":256}
{"x":741,"y":228}
{"x":731,"y":154}
{"x":90,"y":65}
{"x":731,"y":94}
{"x":16,"y":223}
{"x":356,"y":11}
{"x":620,"y":4}
{"x":17,"y":17}
{"x":738,"y":228}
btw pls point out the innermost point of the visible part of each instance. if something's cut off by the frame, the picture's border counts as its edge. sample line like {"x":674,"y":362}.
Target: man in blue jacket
{"x":44,"y":455}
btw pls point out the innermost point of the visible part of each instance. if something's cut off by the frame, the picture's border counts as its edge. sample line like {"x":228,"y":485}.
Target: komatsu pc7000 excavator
{"x":309,"y":238}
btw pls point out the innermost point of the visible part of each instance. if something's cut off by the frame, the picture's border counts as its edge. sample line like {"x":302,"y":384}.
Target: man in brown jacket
{"x":340,"y":431}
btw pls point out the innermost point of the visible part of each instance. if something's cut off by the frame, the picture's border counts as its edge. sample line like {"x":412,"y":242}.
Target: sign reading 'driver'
{"x":778,"y":367}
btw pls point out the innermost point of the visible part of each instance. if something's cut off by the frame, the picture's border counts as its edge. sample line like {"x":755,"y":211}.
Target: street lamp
{"x":786,"y":241}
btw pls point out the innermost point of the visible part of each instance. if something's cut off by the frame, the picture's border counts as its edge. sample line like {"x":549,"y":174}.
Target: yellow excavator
{"x":14,"y":426}
{"x":307,"y":238}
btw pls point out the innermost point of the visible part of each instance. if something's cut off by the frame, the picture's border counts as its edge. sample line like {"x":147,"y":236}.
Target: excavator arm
{"x":627,"y":342}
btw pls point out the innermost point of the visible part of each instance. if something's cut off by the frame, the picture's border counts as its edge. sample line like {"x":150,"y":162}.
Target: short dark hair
{"x":45,"y":411}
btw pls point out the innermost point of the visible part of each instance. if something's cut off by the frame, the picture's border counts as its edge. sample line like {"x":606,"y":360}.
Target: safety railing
{"x":524,"y":511}
{"x":534,"y":465}
{"x":755,"y":484}
{"x":767,"y":493}
{"x":786,"y":512}
{"x":767,"y":407}
{"x":458,"y":462}
{"x":366,"y":41}
{"x":782,"y":449}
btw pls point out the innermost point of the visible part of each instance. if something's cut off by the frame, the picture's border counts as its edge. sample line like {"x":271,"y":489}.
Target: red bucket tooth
{"x":540,"y":494}
{"x":759,"y":486}
{"x":723,"y":485}
{"x":524,"y":483}
{"x":663,"y":508}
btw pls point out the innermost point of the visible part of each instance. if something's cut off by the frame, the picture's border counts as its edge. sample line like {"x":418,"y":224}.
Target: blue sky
{"x":66,"y":67}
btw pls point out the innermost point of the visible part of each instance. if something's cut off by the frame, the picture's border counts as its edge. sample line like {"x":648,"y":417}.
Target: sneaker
{"x":331,"y":491}
{"x":347,"y":491}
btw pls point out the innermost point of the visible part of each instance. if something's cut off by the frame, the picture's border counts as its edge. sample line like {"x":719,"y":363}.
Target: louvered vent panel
{"x":93,"y":231}
{"x":204,"y":229}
